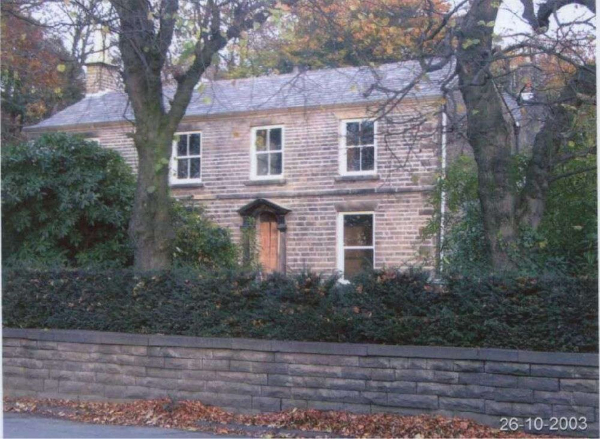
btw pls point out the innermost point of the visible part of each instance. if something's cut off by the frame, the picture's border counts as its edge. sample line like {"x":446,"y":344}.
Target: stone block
{"x":498,"y":408}
{"x":327,"y":394}
{"x":179,"y":352}
{"x":445,"y":365}
{"x":379,"y":362}
{"x":488,"y":379}
{"x":414,"y":375}
{"x":416,"y":363}
{"x":317,"y":359}
{"x":215,"y":364}
{"x":539,"y":383}
{"x":29,"y":363}
{"x":380,"y":398}
{"x":462,"y":404}
{"x":413,"y":401}
{"x":81,"y":388}
{"x":579,"y":385}
{"x":511,"y":395}
{"x":288,"y":404}
{"x":399,"y":363}
{"x":65,"y":375}
{"x":445,"y":377}
{"x":233,"y":388}
{"x":344,"y":384}
{"x":261,"y":367}
{"x":507,"y":368}
{"x":582,"y":398}
{"x":50,"y":385}
{"x":565,"y":398}
{"x":545,"y":370}
{"x":586,"y":372}
{"x":392,"y":386}
{"x":240,"y":366}
{"x":157,"y":372}
{"x":574,"y":410}
{"x":134,"y":392}
{"x":532,"y":410}
{"x":435,"y":389}
{"x":468,"y":366}
{"x":276,"y":391}
{"x":265,"y":404}
{"x":242,"y":377}
{"x":183,"y":363}
{"x":123,"y":349}
{"x":201,"y":375}
{"x":115,"y":379}
{"x":319,"y":371}
{"x":22,"y":383}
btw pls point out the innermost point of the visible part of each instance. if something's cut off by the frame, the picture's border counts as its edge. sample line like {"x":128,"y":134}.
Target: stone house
{"x":332,"y":170}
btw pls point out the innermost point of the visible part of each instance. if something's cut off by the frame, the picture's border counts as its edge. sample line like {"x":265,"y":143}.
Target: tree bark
{"x":490,"y":131}
{"x":553,"y":134}
{"x":144,"y":47}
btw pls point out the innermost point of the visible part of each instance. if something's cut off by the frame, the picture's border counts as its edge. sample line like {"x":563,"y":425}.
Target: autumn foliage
{"x":37,"y":75}
{"x":195,"y":416}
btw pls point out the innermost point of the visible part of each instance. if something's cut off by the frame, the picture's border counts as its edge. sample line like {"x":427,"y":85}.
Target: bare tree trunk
{"x":490,"y":131}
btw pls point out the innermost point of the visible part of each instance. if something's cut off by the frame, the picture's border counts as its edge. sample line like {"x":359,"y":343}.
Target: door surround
{"x":253,"y":211}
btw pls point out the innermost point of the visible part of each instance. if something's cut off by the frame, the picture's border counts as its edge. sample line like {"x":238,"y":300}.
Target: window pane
{"x":195,"y":168}
{"x":368,"y":158}
{"x":182,"y":168}
{"x":352,"y":129}
{"x":195,"y":144}
{"x":276,"y":163}
{"x":356,"y":261}
{"x":358,"y":230}
{"x":353,"y":159}
{"x":275,"y":139}
{"x":182,"y":146}
{"x":367,"y":133}
{"x":262,"y":164}
{"x":261,"y":140}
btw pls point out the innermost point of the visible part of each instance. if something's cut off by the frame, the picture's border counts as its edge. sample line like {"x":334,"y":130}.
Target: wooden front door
{"x":268,"y":241}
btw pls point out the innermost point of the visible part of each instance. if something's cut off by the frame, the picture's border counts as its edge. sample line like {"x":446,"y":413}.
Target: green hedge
{"x":549,"y":314}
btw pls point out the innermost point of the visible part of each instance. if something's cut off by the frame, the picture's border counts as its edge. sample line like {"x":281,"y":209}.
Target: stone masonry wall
{"x":261,"y":375}
{"x":311,"y":187}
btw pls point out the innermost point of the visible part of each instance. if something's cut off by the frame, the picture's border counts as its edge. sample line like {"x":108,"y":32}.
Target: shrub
{"x":390,"y":307}
{"x":199,"y":242}
{"x":65,"y":201}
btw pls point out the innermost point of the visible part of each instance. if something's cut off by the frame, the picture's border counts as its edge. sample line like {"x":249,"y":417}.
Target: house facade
{"x":328,"y":174}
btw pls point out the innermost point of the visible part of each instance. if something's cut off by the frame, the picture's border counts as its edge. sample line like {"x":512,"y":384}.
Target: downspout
{"x":443,"y":194}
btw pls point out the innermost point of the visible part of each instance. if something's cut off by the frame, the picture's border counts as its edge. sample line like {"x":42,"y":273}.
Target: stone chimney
{"x":102,"y":74}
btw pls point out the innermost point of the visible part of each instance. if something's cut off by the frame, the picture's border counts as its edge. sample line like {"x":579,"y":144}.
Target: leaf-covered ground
{"x":195,"y":416}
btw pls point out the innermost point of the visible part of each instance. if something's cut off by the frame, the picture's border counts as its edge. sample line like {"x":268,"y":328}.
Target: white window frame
{"x":343,"y":154}
{"x":173,"y":180}
{"x":340,"y":241}
{"x":253,"y":153}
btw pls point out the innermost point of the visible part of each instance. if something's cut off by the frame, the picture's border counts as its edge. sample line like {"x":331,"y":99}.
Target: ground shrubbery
{"x":66,"y":202}
{"x":548,"y":313}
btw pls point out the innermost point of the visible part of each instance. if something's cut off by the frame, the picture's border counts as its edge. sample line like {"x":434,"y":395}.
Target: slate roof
{"x":312,"y":88}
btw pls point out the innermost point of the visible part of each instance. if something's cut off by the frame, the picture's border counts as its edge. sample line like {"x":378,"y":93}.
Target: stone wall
{"x":311,"y":187}
{"x":261,"y":375}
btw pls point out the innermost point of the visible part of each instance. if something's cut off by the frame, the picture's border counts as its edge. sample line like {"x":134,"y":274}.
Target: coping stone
{"x":354,"y":349}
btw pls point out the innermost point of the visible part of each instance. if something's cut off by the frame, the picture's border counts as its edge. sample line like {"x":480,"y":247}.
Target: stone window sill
{"x":346,"y":178}
{"x":186,"y":185}
{"x":274,"y":182}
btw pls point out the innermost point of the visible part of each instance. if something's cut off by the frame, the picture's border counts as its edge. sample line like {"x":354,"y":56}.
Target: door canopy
{"x":260,"y":205}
